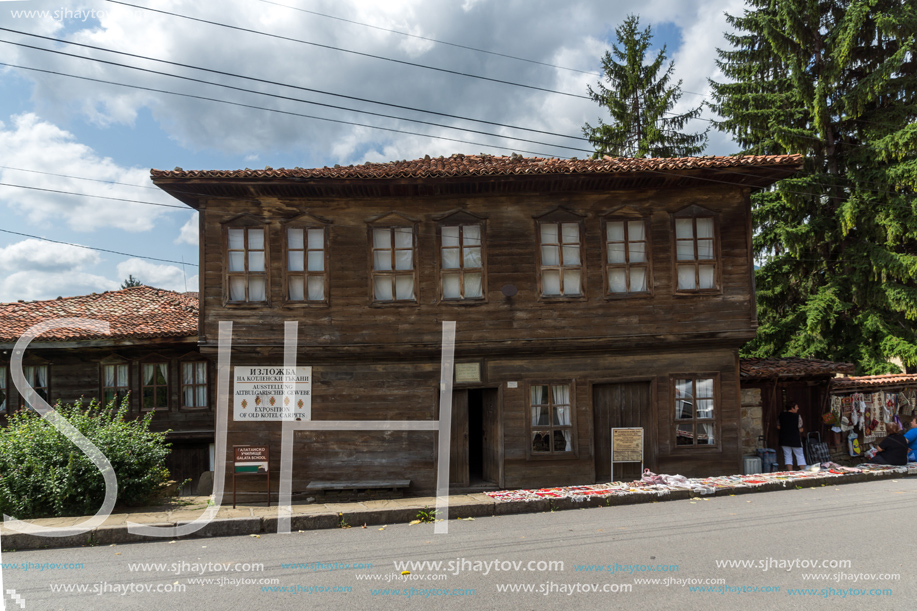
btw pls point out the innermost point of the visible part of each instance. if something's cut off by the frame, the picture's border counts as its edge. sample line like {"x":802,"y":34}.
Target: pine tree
{"x":131,"y":282}
{"x":835,"y":80}
{"x":640,"y":101}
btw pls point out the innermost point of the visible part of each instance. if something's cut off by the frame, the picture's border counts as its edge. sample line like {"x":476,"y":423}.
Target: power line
{"x":284,"y":112}
{"x":117,"y":199}
{"x":114,"y":252}
{"x":288,"y":98}
{"x":108,"y":182}
{"x":269,"y":82}
{"x":342,"y":50}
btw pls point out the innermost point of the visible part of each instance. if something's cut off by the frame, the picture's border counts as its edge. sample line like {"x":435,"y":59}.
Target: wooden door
{"x":615,"y":406}
{"x":458,"y":459}
{"x":492,"y":436}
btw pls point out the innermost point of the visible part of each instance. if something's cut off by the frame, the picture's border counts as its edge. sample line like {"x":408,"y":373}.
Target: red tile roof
{"x":791,"y":367}
{"x":489,"y":165}
{"x":133,"y":313}
{"x":880,"y":381}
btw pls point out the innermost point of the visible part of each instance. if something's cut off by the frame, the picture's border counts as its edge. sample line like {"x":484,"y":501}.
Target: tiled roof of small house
{"x":132,"y":313}
{"x":490,"y":165}
{"x":880,"y":381}
{"x":791,"y":367}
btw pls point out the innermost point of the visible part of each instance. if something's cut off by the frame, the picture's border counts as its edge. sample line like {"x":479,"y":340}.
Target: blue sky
{"x":52,"y":124}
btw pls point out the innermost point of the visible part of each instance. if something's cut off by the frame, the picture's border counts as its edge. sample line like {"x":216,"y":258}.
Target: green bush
{"x":43,"y":474}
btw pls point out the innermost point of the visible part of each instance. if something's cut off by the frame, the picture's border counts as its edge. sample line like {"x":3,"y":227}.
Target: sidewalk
{"x":257,"y":519}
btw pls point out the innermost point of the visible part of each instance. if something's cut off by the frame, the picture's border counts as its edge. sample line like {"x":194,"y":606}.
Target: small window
{"x":462,"y":262}
{"x":695,"y":423}
{"x":627,"y":257}
{"x":305,"y":265}
{"x":246,"y":264}
{"x":695,"y":254}
{"x":3,"y":391}
{"x":561,"y":263}
{"x":393,"y":253}
{"x":552,"y":428}
{"x":155,"y":386}
{"x":194,"y":384}
{"x":114,"y":383}
{"x":37,"y":377}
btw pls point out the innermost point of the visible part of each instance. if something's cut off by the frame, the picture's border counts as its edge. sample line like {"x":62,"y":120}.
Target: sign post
{"x":251,"y":460}
{"x":626,"y":446}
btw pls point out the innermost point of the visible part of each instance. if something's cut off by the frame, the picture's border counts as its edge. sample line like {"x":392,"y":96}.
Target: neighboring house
{"x":150,"y":353}
{"x":587,"y":294}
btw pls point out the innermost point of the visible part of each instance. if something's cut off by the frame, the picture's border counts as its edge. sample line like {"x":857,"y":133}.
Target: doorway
{"x":620,"y":406}
{"x":475,"y":459}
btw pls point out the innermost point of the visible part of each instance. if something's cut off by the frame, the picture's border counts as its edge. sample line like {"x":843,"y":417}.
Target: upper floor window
{"x":561,"y":261}
{"x":695,"y":423}
{"x":114,"y":383}
{"x":155,"y":385}
{"x":36,"y":376}
{"x":246,"y":265}
{"x":627,"y":257}
{"x":462,"y":262}
{"x":393,"y":250}
{"x":194,"y":384}
{"x":305,"y":266}
{"x":3,"y":392}
{"x":551,"y":424}
{"x":695,"y":253}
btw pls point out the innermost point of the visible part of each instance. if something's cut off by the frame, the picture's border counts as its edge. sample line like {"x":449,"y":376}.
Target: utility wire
{"x":117,"y":199}
{"x":342,"y":50}
{"x":269,"y":82}
{"x":108,"y":182}
{"x":114,"y":252}
{"x":284,"y":112}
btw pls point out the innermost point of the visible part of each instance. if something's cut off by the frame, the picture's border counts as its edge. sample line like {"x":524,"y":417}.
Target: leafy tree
{"x":640,"y":100}
{"x":835,"y":81}
{"x":130,"y":282}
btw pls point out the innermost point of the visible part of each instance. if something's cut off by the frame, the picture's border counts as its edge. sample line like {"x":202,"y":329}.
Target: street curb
{"x":257,"y":525}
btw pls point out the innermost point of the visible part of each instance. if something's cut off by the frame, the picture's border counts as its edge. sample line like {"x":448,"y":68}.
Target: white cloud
{"x":37,"y":285}
{"x":37,"y":255}
{"x":167,"y":277}
{"x":188,"y":234}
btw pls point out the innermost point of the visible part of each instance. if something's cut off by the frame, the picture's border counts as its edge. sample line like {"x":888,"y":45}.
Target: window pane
{"x":617,"y":282}
{"x":685,"y":250}
{"x":149,"y":398}
{"x":684,"y":228}
{"x":705,"y":408}
{"x":571,"y":255}
{"x":404,"y":237}
{"x":471,"y":235}
{"x":382,"y":288}
{"x":562,"y":415}
{"x":684,"y":389}
{"x":571,"y":233}
{"x":297,"y":288}
{"x":616,"y":253}
{"x":705,"y":434}
{"x":382,"y":238}
{"x":122,"y":376}
{"x":450,"y":236}
{"x":684,"y":435}
{"x":295,"y":261}
{"x":382,"y":260}
{"x":473,"y":288}
{"x":200,"y":373}
{"x":541,"y":441}
{"x":540,"y":415}
{"x":256,"y":261}
{"x":563,"y":441}
{"x":188,"y":396}
{"x":637,"y":252}
{"x":256,"y":289}
{"x":256,"y":239}
{"x":705,"y":388}
{"x":614,"y":231}
{"x":316,"y":288}
{"x":705,"y":228}
{"x":539,"y":395}
{"x":705,"y":249}
{"x":149,"y":374}
{"x":450,"y":258}
{"x":200,"y":396}
{"x":550,"y":282}
{"x":686,"y":277}
{"x":161,"y":399}
{"x":237,"y":261}
{"x":472,"y":258}
{"x":187,"y":373}
{"x":317,"y":239}
{"x":295,"y":239}
{"x":548,"y":233}
{"x":452,"y":286}
{"x":636,"y":231}
{"x":706,"y":276}
{"x":237,"y":289}
{"x":404,"y":287}
{"x":550,"y":255}
{"x":316,"y":260}
{"x":404,"y":259}
{"x":572,"y":282}
{"x":236,"y":239}
{"x":638,"y":280}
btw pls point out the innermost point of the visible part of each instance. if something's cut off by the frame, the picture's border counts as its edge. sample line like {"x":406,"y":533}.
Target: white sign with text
{"x":272,"y":393}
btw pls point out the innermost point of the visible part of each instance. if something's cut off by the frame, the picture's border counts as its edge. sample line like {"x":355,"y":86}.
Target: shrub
{"x":43,"y":474}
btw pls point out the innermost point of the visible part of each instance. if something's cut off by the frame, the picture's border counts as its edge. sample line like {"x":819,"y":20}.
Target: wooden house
{"x":151,"y":353}
{"x":587,"y":294}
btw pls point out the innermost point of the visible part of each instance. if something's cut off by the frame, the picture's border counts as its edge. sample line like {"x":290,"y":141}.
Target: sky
{"x":289,"y":83}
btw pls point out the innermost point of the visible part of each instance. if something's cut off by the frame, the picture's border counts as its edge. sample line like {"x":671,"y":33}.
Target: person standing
{"x":789,"y":427}
{"x":911,"y":436}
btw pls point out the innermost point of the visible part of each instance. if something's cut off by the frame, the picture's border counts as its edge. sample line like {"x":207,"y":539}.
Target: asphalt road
{"x":863,"y":533}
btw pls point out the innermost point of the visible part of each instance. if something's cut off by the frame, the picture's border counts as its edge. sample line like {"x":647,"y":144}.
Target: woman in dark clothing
{"x":892,"y":449}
